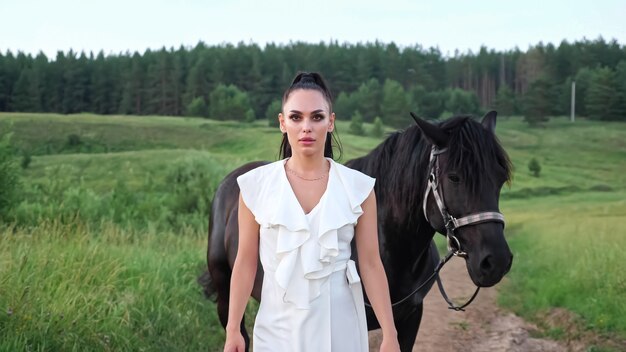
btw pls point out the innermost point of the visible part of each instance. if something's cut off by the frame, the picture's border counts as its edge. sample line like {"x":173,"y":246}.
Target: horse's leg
{"x":244,"y":332}
{"x":407,"y":328}
{"x":221,"y":280}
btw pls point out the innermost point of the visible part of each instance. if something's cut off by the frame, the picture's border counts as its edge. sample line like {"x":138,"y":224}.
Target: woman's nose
{"x":306,"y":126}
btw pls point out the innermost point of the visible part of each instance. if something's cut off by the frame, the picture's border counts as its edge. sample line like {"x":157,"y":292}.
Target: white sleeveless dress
{"x":311,"y":298}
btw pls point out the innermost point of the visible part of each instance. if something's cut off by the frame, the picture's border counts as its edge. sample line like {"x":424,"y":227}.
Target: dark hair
{"x":311,"y":81}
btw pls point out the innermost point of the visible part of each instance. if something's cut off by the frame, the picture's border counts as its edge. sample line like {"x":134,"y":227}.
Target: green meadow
{"x":104,"y":248}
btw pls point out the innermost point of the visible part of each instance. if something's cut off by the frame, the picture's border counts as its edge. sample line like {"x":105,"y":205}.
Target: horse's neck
{"x":407,"y":232}
{"x":404,"y":249}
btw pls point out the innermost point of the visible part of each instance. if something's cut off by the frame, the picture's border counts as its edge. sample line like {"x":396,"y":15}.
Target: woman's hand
{"x":389,"y":345}
{"x":234,"y":342}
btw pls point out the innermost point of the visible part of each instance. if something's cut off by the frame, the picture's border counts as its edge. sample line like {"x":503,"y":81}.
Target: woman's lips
{"x":306,"y":141}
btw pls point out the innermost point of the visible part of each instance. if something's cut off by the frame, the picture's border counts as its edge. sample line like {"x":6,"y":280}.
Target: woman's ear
{"x":331,"y":126}
{"x":281,"y":123}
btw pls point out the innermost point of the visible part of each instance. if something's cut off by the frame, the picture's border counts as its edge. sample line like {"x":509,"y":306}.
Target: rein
{"x":451,"y":224}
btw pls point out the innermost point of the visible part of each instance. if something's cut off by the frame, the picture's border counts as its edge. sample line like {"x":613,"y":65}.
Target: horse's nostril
{"x":486,"y":265}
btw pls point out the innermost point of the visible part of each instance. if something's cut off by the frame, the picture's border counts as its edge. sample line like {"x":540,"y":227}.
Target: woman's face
{"x":306,"y":119}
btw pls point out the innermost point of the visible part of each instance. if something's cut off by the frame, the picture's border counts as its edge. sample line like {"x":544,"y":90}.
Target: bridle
{"x":451,"y":224}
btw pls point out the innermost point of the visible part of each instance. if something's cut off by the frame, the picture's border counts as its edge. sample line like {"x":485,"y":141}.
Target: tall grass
{"x":66,"y":287}
{"x":146,"y":189}
{"x":568,"y":253}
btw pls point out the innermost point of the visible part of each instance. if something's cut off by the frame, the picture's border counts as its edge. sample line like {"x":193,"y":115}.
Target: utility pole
{"x":573,"y":109}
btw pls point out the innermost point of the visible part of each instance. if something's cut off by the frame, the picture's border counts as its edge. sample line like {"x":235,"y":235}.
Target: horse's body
{"x":471,"y":172}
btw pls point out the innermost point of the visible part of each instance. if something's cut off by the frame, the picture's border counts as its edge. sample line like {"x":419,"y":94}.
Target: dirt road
{"x":482,"y":327}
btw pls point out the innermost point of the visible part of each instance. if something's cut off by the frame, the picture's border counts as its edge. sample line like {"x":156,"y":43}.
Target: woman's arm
{"x":373,"y":273}
{"x":244,"y":272}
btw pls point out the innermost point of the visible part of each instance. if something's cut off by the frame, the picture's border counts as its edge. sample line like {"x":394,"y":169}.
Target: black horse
{"x":459,"y":161}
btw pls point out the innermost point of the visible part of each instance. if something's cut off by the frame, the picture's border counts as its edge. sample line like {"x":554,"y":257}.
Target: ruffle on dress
{"x":304,"y":260}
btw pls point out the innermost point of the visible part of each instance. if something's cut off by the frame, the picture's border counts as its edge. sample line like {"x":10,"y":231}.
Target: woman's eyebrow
{"x":312,"y":112}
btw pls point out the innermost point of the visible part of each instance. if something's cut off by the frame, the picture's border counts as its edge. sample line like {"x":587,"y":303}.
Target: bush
{"x":229,"y":103}
{"x":534,"y":167}
{"x":356,"y":124}
{"x":26,"y":159}
{"x":73,"y":140}
{"x":197,"y":108}
{"x":377,"y":129}
{"x":250,"y":116}
{"x":193,"y":182}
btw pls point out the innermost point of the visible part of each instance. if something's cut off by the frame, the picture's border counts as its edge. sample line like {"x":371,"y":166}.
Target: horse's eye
{"x":454,"y":178}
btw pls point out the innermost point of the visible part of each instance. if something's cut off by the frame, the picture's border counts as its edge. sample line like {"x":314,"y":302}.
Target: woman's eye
{"x":454,"y":178}
{"x":318,"y":117}
{"x":295,"y":117}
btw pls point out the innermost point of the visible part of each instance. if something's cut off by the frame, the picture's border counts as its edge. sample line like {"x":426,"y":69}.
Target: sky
{"x":117,"y":26}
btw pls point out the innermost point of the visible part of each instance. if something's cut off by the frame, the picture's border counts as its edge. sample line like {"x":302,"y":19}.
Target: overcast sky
{"x":116,"y":26}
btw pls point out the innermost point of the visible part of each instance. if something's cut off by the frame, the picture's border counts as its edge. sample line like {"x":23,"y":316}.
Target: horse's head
{"x":467,"y":170}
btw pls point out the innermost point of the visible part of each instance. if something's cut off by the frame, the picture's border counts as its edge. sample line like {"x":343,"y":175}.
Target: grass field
{"x":111,"y":233}
{"x":568,"y":254}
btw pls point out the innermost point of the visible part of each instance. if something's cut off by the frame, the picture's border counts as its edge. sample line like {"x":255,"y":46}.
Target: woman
{"x":299,"y":215}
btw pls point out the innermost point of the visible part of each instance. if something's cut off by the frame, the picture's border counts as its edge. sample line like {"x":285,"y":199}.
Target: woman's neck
{"x":313,"y":164}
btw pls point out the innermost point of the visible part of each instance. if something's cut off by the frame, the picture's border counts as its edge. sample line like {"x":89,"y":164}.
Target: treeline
{"x":245,"y":81}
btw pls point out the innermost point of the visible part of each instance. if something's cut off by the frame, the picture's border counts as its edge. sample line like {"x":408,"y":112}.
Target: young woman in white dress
{"x":299,"y":215}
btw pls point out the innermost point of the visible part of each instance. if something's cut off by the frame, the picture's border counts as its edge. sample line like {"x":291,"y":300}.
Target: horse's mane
{"x":400,"y":163}
{"x":475,"y":153}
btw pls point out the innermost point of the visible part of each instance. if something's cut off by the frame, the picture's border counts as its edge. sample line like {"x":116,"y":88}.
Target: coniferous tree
{"x":395,"y":105}
{"x":55,"y":84}
{"x":198,"y":80}
{"x":166,"y":81}
{"x":178,"y":81}
{"x":620,"y":91}
{"x":161,"y":86}
{"x":26,"y":93}
{"x":539,"y":102}
{"x":41,"y":82}
{"x":433,"y":104}
{"x":461,"y":102}
{"x":133,"y":96}
{"x":416,"y":95}
{"x":102,"y":86}
{"x":345,"y":105}
{"x":368,"y":99}
{"x":272,"y":113}
{"x":505,"y":101}
{"x":603,"y":101}
{"x":76,"y":84}
{"x":7,"y":71}
{"x":583,"y":79}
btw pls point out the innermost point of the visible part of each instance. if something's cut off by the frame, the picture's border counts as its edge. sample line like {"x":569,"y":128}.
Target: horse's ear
{"x":489,"y":121}
{"x":433,"y":133}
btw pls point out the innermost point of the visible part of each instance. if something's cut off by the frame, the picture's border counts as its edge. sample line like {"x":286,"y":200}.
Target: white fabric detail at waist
{"x":340,"y":265}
